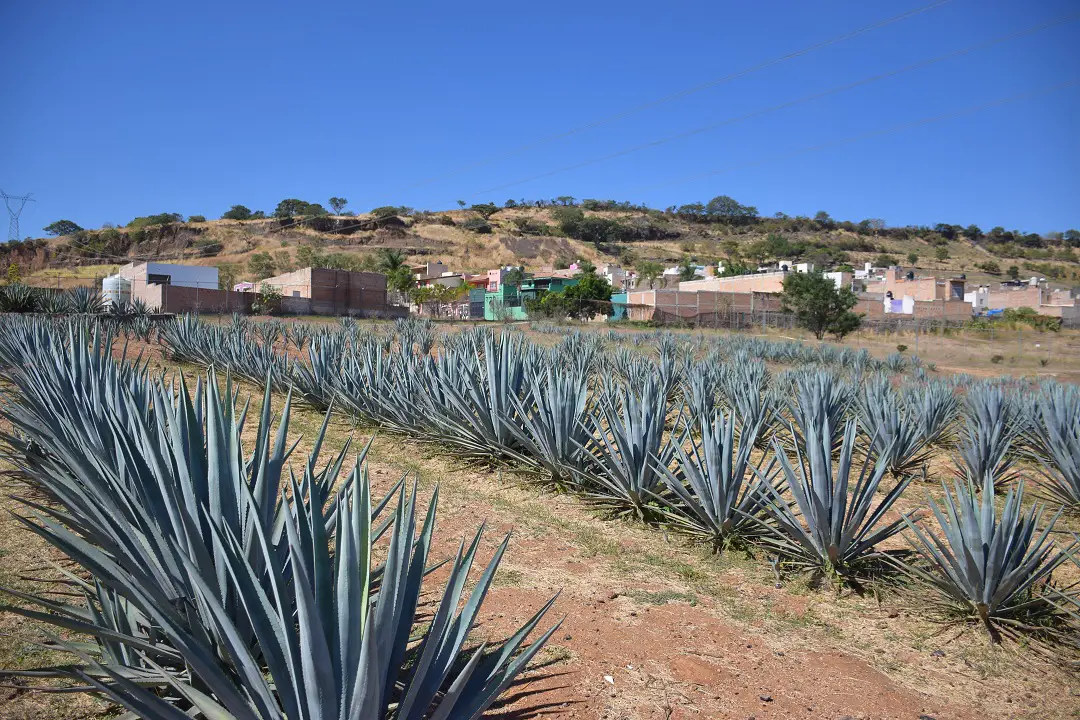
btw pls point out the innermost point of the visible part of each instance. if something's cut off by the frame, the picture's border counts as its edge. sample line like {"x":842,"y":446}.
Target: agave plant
{"x":992,"y":423}
{"x":716,"y":493}
{"x":627,"y":447}
{"x":934,"y":407}
{"x":838,"y":526}
{"x":1056,"y":441}
{"x":894,"y":434}
{"x":19,"y":298}
{"x":996,"y":571}
{"x":271,"y":605}
{"x":86,"y":301}
{"x":552,"y":434}
{"x":819,"y":405}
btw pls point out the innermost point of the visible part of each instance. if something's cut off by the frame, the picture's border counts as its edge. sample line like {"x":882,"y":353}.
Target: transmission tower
{"x":15,"y":205}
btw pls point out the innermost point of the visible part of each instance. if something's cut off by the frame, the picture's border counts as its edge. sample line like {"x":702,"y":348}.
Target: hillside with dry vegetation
{"x":248,"y":245}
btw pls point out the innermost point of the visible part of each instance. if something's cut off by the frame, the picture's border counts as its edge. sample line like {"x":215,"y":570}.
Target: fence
{"x":296,"y":298}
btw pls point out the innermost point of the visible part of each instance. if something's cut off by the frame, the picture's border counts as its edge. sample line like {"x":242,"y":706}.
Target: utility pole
{"x":14,"y":212}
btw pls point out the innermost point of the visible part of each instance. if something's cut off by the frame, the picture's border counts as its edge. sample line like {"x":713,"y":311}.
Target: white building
{"x":617,"y":277}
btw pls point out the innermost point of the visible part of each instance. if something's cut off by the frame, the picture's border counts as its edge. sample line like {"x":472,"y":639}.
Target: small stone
{"x":633,"y":613}
{"x":765,"y":698}
{"x":881,"y":624}
{"x":608,"y":679}
{"x":749,"y":645}
{"x":568,"y":636}
{"x":779,"y":653}
{"x":612,"y":596}
{"x":894,"y":613}
{"x":938,"y":653}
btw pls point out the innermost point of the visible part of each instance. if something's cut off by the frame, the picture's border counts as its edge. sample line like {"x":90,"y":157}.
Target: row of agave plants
{"x":215,"y":580}
{"x":808,"y":463}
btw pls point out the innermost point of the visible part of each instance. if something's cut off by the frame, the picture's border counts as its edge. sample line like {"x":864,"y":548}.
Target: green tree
{"x":400,"y":279}
{"x":823,"y":219}
{"x":289,"y":207}
{"x":730,"y":210}
{"x":62,"y":227}
{"x":237,"y":212}
{"x":261,"y":265}
{"x":514,"y":277}
{"x":884,"y":260}
{"x":591,"y":296}
{"x":485,"y":210}
{"x":461,"y":204}
{"x":649,"y":271}
{"x":196,"y":218}
{"x":227,"y":275}
{"x":942,"y":253}
{"x":687,"y":271}
{"x":1013,"y":272}
{"x":338,"y":204}
{"x":972,"y":232}
{"x":389,"y":260}
{"x":819,"y":306}
{"x":912,"y":258}
{"x":13,"y":275}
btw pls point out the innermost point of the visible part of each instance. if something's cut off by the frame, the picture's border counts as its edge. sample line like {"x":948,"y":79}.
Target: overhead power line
{"x":864,"y":136}
{"x":782,"y":106}
{"x":674,"y":96}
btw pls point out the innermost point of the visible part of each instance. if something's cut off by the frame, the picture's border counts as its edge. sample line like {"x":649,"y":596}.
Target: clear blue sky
{"x":118,"y":109}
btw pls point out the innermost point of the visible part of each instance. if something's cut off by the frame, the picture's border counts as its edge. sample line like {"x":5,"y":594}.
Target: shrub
{"x":996,"y":359}
{"x":477,"y":225}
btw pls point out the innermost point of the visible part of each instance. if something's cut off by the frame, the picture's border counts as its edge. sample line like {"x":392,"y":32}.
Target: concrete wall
{"x":1027,"y":296}
{"x":332,"y":292}
{"x":180,"y":299}
{"x":682,"y":305}
{"x":194,"y":276}
{"x":758,"y":283}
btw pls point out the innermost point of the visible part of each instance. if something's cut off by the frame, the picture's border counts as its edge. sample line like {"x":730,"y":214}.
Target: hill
{"x":553,"y":234}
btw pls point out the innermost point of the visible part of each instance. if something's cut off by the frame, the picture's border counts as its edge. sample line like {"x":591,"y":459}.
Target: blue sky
{"x":118,"y":109}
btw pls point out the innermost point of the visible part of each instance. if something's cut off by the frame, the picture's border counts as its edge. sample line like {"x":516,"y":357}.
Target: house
{"x":175,"y":288}
{"x":617,"y":277}
{"x":507,"y":302}
{"x":321,"y":291}
{"x":1034,"y":293}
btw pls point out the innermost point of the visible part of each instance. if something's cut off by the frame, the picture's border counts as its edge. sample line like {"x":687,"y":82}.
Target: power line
{"x":14,"y":213}
{"x":864,"y":136}
{"x":782,"y":106}
{"x":677,"y":95}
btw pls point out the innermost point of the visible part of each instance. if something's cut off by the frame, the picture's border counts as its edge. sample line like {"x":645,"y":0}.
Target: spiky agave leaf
{"x":716,"y":493}
{"x":992,"y":423}
{"x":838,"y":526}
{"x":892,"y":432}
{"x":995,"y":570}
{"x":934,"y":406}
{"x":552,"y":434}
{"x":626,"y":447}
{"x":1055,"y":442}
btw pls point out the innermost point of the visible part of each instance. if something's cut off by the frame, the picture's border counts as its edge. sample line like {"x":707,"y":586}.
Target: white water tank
{"x":115,"y":289}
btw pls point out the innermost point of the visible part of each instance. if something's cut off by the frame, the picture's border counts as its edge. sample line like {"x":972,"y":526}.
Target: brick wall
{"x":759,"y":283}
{"x":1030,"y":296}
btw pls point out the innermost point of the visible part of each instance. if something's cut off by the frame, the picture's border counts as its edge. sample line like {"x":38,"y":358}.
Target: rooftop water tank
{"x":115,"y":289}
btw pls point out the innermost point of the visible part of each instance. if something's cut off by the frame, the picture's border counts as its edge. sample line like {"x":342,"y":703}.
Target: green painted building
{"x":508,"y":302}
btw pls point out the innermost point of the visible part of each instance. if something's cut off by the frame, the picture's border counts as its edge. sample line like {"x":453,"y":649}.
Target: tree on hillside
{"x":227,"y":275}
{"x":912,"y":258}
{"x":942,"y":253}
{"x":1072,"y":237}
{"x":730,"y":210}
{"x":338,"y":203}
{"x":972,"y":232}
{"x":461,"y":204}
{"x":823,"y":219}
{"x":62,"y":227}
{"x":1013,"y":272}
{"x":884,"y":261}
{"x":196,"y":218}
{"x":237,"y":212}
{"x":819,"y":306}
{"x":13,"y":274}
{"x":485,"y":210}
{"x":261,"y":265}
{"x":649,"y":270}
{"x":290,"y":207}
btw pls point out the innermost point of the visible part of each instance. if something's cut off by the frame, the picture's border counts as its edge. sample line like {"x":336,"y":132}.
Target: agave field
{"x":220,"y":578}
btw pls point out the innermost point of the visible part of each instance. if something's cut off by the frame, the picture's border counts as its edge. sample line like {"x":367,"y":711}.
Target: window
{"x":156,"y":279}
{"x":296,"y":293}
